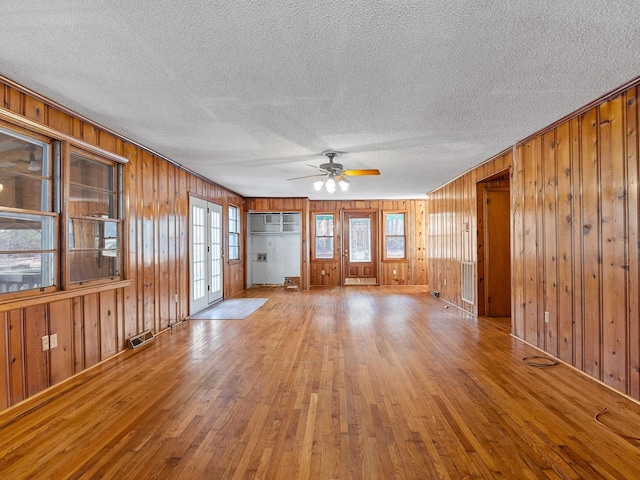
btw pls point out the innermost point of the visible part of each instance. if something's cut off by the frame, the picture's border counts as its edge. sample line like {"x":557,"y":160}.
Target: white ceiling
{"x":247,"y":93}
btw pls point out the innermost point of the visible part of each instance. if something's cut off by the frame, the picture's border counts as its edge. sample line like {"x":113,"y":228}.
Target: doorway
{"x":494,"y":247}
{"x":359,"y":252}
{"x":205,"y":249}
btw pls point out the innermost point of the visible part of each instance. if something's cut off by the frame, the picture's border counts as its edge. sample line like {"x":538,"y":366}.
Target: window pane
{"x":395,"y":223}
{"x":234,"y":246}
{"x":395,"y":247}
{"x":21,"y":232}
{"x":23,"y":155}
{"x":92,"y":234}
{"x":94,"y":245}
{"x":324,"y":225}
{"x":233,"y":240}
{"x":24,"y":271}
{"x":24,"y":192}
{"x":360,"y":240}
{"x":324,"y":247}
{"x":90,"y":173}
{"x":91,"y":265}
{"x":233,"y":219}
{"x":234,"y":237}
{"x":91,"y":203}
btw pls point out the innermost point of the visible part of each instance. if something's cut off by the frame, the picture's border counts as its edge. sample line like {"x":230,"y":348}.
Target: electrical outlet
{"x":45,"y":343}
{"x":547,"y":317}
{"x":445,"y":281}
{"x":322,"y":272}
{"x":176,"y":298}
{"x":53,"y":340}
{"x":395,"y":271}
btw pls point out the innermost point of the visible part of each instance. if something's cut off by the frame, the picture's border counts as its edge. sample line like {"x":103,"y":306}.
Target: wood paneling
{"x":411,"y":271}
{"x":109,"y":341}
{"x":93,"y":327}
{"x":345,"y":383}
{"x":4,"y":362}
{"x":575,"y":257}
{"x":16,"y":351}
{"x":454,"y":230}
{"x":61,"y":357}
{"x":36,"y":365}
{"x":633,"y":336}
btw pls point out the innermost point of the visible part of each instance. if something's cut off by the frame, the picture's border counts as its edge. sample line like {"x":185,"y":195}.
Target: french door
{"x":359,"y":260}
{"x":205,"y":233}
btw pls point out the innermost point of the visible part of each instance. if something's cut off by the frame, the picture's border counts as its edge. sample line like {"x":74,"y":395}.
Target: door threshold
{"x":360,"y":281}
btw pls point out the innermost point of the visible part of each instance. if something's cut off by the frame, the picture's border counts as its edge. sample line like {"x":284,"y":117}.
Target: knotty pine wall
{"x":453,"y":226}
{"x":574,"y":254}
{"x":411,"y":271}
{"x":93,"y":323}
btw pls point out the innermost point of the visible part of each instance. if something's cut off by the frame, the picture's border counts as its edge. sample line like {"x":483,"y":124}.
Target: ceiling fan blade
{"x":317,"y":168}
{"x":308,"y":176}
{"x":358,"y":173}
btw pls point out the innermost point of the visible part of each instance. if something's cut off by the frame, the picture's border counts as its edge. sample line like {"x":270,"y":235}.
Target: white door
{"x":205,"y":233}
{"x":215,"y":252}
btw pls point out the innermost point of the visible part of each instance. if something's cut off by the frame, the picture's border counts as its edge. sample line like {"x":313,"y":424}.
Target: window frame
{"x":386,"y":236}
{"x":314,"y":253}
{"x":117,"y":219}
{"x":234,"y":233}
{"x":52,"y":212}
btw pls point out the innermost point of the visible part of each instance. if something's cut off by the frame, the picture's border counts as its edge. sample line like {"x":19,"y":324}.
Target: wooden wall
{"x":411,"y":271}
{"x":575,"y":209}
{"x":453,"y":226}
{"x":574,"y":254}
{"x":93,"y":323}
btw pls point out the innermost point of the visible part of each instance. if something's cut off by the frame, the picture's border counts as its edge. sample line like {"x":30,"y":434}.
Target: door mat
{"x":237,"y":309}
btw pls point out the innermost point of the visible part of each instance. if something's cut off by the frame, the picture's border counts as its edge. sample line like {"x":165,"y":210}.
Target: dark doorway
{"x":494,"y":246}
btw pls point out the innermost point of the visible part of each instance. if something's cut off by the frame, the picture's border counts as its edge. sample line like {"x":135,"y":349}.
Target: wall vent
{"x":140,"y":339}
{"x":468,"y":283}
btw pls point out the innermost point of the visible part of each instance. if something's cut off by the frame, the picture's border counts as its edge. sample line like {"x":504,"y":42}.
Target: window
{"x":28,"y":235}
{"x":35,"y":180}
{"x":324,"y":244}
{"x":394,"y":235}
{"x":234,"y":234}
{"x":94,"y":219}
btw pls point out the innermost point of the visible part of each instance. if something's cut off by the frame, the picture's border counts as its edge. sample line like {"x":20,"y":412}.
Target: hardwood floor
{"x":343,"y":383}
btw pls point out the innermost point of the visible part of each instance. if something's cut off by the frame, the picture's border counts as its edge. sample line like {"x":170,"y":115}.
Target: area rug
{"x":237,"y":309}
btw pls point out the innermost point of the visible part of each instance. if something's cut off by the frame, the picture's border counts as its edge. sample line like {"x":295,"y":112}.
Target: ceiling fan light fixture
{"x":33,"y":166}
{"x":330,"y":185}
{"x":318,"y":185}
{"x":343,"y":183}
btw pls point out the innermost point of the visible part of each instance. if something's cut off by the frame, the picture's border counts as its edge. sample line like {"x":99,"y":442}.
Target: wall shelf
{"x":274,"y":223}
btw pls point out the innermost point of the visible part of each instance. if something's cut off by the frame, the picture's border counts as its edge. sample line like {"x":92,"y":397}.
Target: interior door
{"x":205,"y":249}
{"x":359,"y":248}
{"x":497,"y":252}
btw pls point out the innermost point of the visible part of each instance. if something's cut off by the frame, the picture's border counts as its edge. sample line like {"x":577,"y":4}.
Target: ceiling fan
{"x":14,"y":157}
{"x":335,"y":173}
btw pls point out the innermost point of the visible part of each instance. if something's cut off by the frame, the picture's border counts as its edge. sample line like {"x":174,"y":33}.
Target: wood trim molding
{"x":24,"y":122}
{"x":61,"y":295}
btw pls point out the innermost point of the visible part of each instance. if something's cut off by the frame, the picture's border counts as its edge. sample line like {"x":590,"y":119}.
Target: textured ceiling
{"x":248,"y":93}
